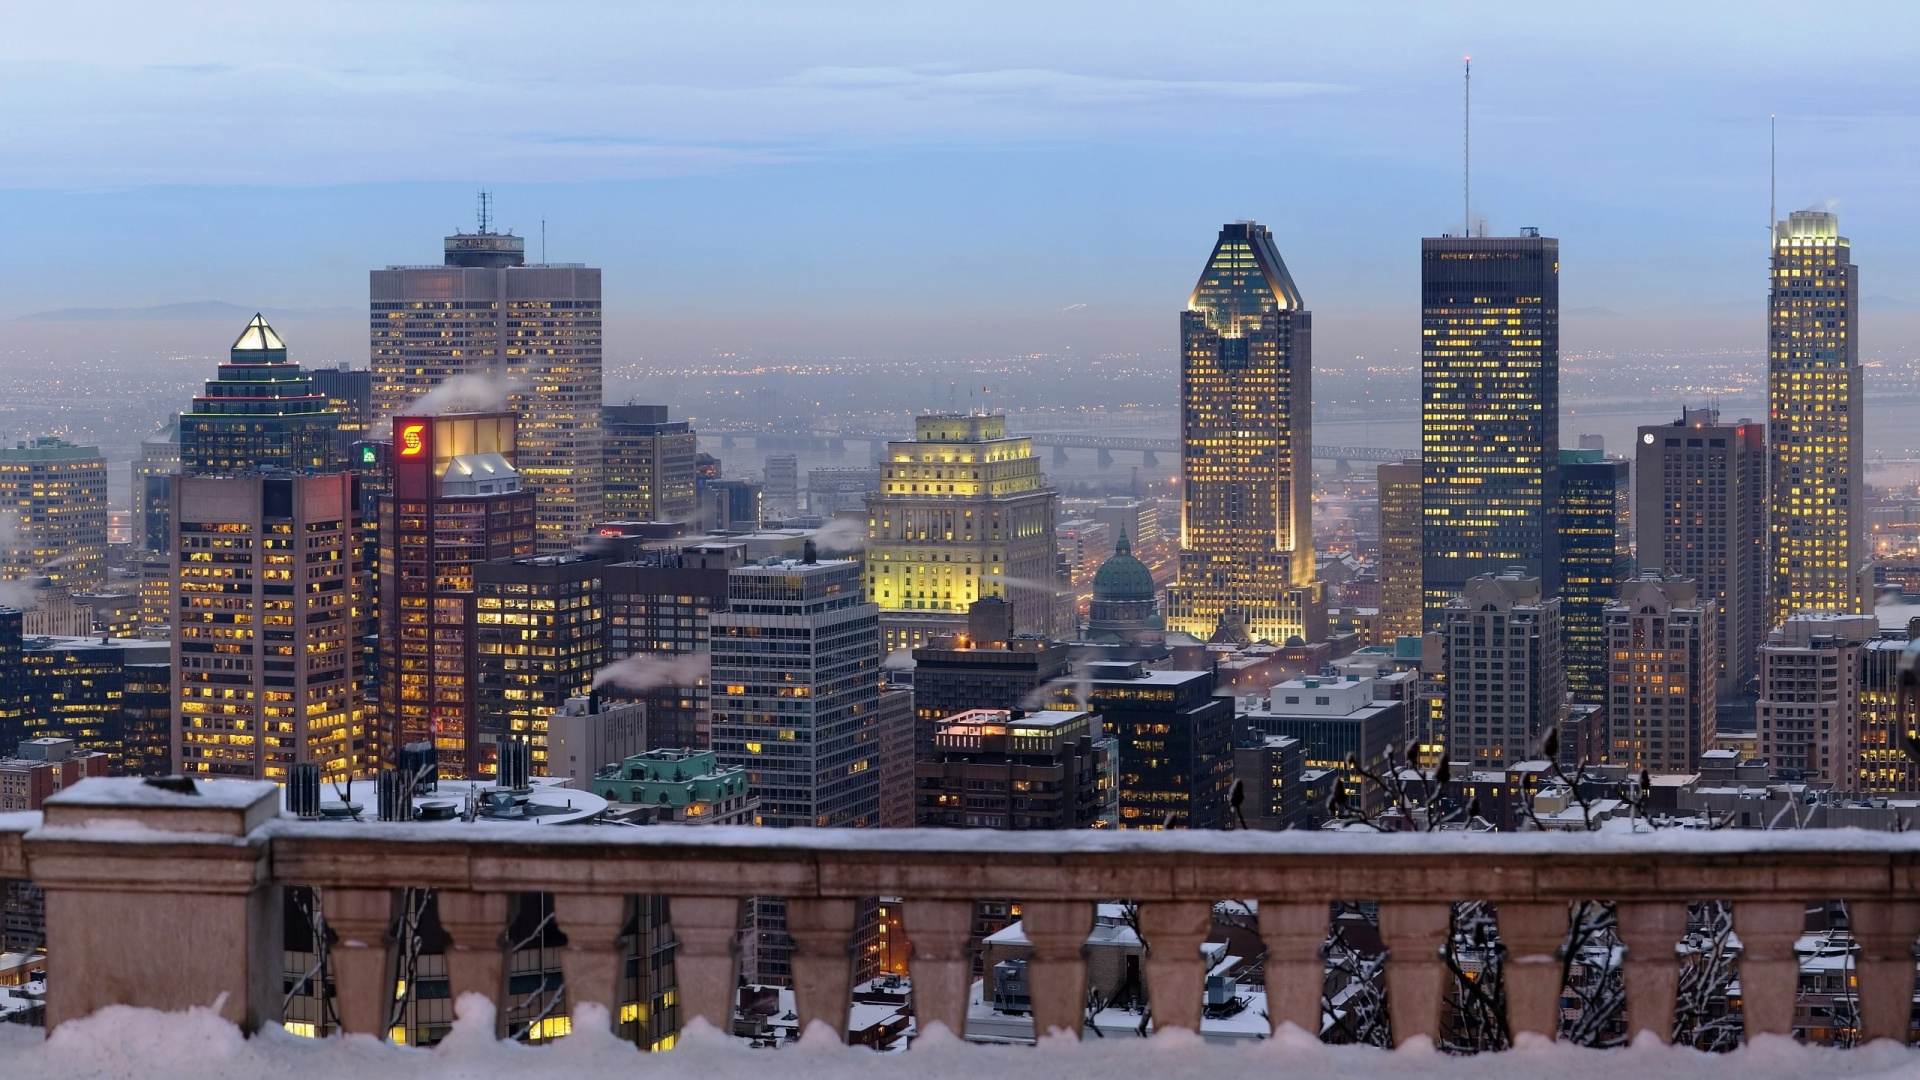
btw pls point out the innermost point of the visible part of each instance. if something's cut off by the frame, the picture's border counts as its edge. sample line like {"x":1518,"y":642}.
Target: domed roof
{"x":1122,"y":577}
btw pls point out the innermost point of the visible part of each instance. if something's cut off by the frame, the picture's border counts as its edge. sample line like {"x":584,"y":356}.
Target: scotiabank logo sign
{"x":413,"y":439}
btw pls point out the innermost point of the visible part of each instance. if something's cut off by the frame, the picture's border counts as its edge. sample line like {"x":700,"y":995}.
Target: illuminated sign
{"x":367,"y":455}
{"x":412,"y":440}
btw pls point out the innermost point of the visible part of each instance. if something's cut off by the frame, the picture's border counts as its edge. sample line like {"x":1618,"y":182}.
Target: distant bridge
{"x":1149,"y":449}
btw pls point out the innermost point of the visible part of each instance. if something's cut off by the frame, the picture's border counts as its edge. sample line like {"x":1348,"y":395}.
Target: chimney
{"x":809,"y":554}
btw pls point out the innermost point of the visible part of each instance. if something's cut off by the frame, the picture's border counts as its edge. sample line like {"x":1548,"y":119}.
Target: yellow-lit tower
{"x":1817,"y":547}
{"x":1246,"y":395}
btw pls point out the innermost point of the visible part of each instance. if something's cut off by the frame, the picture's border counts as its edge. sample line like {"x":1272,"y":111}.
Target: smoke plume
{"x":636,"y":674}
{"x":840,"y":536}
{"x":465,"y":393}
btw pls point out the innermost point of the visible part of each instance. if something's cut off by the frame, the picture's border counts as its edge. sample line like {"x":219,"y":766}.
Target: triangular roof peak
{"x":258,"y":336}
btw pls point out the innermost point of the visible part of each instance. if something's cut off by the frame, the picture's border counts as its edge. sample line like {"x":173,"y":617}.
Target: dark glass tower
{"x":1490,"y":410}
{"x":261,"y":411}
{"x":1594,"y":559}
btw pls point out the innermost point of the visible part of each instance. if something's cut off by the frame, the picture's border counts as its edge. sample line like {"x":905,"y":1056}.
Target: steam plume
{"x":465,"y":393}
{"x":640,"y":673}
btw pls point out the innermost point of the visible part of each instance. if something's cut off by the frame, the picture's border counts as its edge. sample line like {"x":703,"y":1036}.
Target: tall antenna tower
{"x":486,"y":211}
{"x":1773,"y":178}
{"x":1466,"y":152}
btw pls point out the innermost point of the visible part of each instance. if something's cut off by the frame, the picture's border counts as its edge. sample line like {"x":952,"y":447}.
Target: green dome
{"x":1123,"y":577}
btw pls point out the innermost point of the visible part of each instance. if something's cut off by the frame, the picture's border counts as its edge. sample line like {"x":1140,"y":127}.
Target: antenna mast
{"x":1773,"y":180}
{"x":486,"y":211}
{"x":543,"y":241}
{"x":1466,"y":151}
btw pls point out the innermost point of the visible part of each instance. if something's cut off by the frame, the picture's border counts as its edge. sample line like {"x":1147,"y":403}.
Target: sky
{"x":908,"y":179}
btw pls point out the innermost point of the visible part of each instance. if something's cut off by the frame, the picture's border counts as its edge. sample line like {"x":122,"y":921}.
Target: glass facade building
{"x":540,"y":639}
{"x":259,"y":412}
{"x":649,"y":464}
{"x":1596,"y":555}
{"x":53,"y":513}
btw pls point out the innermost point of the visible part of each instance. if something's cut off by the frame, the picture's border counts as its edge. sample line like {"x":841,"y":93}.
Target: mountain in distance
{"x":192,"y":311}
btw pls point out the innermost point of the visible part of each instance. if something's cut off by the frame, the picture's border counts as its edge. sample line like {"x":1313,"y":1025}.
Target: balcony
{"x":166,"y":900}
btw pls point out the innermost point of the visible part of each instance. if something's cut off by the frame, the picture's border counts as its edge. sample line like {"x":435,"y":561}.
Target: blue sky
{"x":946,"y":178}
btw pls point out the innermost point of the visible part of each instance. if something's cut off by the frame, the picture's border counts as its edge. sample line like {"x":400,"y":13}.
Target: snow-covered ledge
{"x":165,"y":900}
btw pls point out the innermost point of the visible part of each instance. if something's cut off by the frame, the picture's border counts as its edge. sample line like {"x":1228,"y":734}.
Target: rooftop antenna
{"x":486,"y":211}
{"x":1773,"y":178}
{"x":1466,"y":151}
{"x":543,"y":240}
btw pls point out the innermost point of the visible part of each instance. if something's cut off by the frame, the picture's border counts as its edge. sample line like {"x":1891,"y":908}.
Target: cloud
{"x":1045,"y":84}
{"x":636,"y":674}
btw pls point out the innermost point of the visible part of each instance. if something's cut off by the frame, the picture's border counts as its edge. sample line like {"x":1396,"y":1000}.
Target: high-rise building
{"x":456,"y":502}
{"x":896,"y":757}
{"x":1489,"y":410}
{"x":53,"y":513}
{"x":1176,"y":741}
{"x":1661,"y":695}
{"x":660,"y":609}
{"x":349,"y":394}
{"x":1810,"y":669}
{"x":1816,"y":411}
{"x":648,"y":464}
{"x":796,"y":692}
{"x":152,"y":492}
{"x":1596,"y":555}
{"x":541,"y":638}
{"x":1401,"y":524}
{"x":1700,"y":512}
{"x":1886,"y":708}
{"x":1342,"y":724}
{"x":260,"y":411}
{"x":987,"y":666}
{"x":13,"y":683}
{"x":266,"y":671}
{"x":530,"y":334}
{"x":78,"y":688}
{"x":1504,"y":677}
{"x":962,"y":512}
{"x":780,"y":478}
{"x":1019,"y":770}
{"x":1246,"y":395}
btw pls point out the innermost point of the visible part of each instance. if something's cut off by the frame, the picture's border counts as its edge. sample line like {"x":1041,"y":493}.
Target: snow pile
{"x":139,"y":1044}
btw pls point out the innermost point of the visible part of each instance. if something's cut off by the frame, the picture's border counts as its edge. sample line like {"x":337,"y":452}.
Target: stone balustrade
{"x":163,"y":899}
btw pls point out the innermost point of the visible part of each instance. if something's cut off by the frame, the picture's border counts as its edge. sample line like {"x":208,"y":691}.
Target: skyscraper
{"x":530,"y":334}
{"x":53,"y":513}
{"x":1246,"y":394}
{"x":1814,"y":386}
{"x":1811,"y":698}
{"x":152,"y":491}
{"x":1661,"y":703}
{"x":1505,"y":681}
{"x":1490,"y":410}
{"x":1701,"y":512}
{"x":1400,"y":533}
{"x":541,"y":638}
{"x":649,"y":464}
{"x":1595,"y":557}
{"x":260,"y":411}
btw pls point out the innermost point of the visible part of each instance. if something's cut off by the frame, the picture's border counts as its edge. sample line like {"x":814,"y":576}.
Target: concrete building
{"x":994,"y":769}
{"x":796,"y":691}
{"x":682,"y":787}
{"x":648,"y":462}
{"x":1505,"y":679}
{"x":829,"y":491}
{"x":1490,"y":411}
{"x":896,"y":757}
{"x":1176,"y":743}
{"x":541,"y":638}
{"x":985,"y":667}
{"x":1335,"y":720}
{"x":266,"y":668}
{"x":1136,"y":519}
{"x":962,"y":513}
{"x":1400,"y":546}
{"x":529,"y":333}
{"x":1815,"y":441}
{"x":588,"y":736}
{"x":259,"y":411}
{"x":780,"y":476}
{"x":1596,"y":555}
{"x":1246,"y":390}
{"x":1810,"y":674}
{"x":1701,"y":513}
{"x":1664,"y":679}
{"x":1271,"y":770}
{"x":53,"y":513}
{"x":42,"y":767}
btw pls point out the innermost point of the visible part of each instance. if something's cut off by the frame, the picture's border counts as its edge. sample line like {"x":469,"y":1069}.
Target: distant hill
{"x":194,"y":311}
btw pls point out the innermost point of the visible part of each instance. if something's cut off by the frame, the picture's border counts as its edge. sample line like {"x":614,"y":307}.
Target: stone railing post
{"x":1885,"y":930}
{"x":707,"y":958}
{"x":1176,"y":972}
{"x":363,"y":969}
{"x":593,"y":964}
{"x":1533,"y":934}
{"x":1769,"y":969}
{"x":822,"y":932}
{"x":1296,"y":938}
{"x":1416,"y":977}
{"x":476,"y":961}
{"x":160,"y":897}
{"x":940,"y":932}
{"x":1650,"y":931}
{"x":1057,"y":974}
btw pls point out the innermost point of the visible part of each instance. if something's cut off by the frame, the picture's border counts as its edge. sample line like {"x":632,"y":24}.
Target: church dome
{"x":1123,"y":577}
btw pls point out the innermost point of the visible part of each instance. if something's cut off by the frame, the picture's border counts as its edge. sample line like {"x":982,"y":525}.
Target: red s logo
{"x":411,"y":440}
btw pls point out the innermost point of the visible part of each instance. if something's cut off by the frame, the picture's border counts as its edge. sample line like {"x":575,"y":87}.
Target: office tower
{"x":1342,"y":724}
{"x":896,"y":757}
{"x":796,"y":692}
{"x":1401,"y":524}
{"x":781,"y":479}
{"x":456,"y":502}
{"x":733,"y":506}
{"x":830,"y":491}
{"x":1246,"y":394}
{"x":259,"y":411}
{"x":1489,"y":410}
{"x":1662,"y":696}
{"x":1886,"y":708}
{"x":53,"y":513}
{"x":266,"y":671}
{"x":77,"y":687}
{"x":1136,"y":519}
{"x":1018,"y":770}
{"x":1504,"y":675}
{"x":1809,"y":705}
{"x":530,"y":333}
{"x":1814,"y":435}
{"x":1700,"y":512}
{"x":1176,"y":744}
{"x":987,"y":666}
{"x":1596,"y":555}
{"x":660,"y":609}
{"x":349,"y":394}
{"x":159,"y":458}
{"x":648,"y":464}
{"x":962,"y":512}
{"x":539,"y":642}
{"x":1271,"y":769}
{"x":13,"y":687}
{"x":146,"y":726}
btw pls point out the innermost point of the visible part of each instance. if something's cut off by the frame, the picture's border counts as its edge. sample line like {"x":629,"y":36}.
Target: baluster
{"x":707,"y":957}
{"x":1769,"y":970}
{"x":1176,"y":974}
{"x":1057,"y":974}
{"x":363,"y":974}
{"x":940,"y":934}
{"x":1650,"y":930}
{"x":822,"y":932}
{"x":1416,"y":977}
{"x":1296,"y":936}
{"x":1885,"y":930}
{"x":476,"y":962}
{"x":592,"y":964}
{"x":1533,"y":933}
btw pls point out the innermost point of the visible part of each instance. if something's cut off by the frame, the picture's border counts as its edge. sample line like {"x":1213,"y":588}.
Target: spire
{"x":1120,"y":546}
{"x":258,"y":337}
